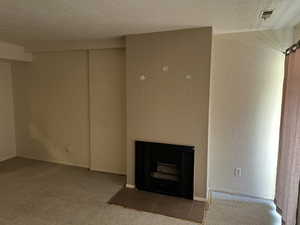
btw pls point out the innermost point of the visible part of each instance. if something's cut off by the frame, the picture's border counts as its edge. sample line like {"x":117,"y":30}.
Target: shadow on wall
{"x":45,"y":148}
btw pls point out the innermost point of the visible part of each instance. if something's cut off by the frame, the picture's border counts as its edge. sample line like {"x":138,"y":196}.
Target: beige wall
{"x":7,"y":129}
{"x":167,"y":107}
{"x":59,"y":113}
{"x":108,"y":110}
{"x":245,"y":103}
{"x":51,"y":100}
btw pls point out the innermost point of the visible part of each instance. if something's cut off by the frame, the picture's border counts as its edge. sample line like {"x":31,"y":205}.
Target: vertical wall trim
{"x":89,"y":108}
{"x":14,"y":94}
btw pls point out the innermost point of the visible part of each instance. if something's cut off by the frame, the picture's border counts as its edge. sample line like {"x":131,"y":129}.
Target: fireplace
{"x":164,"y":168}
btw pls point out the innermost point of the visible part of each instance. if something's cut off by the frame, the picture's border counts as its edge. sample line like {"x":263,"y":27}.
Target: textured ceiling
{"x":23,"y":20}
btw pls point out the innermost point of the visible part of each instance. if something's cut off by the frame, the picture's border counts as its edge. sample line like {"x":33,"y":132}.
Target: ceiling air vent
{"x":266,"y":14}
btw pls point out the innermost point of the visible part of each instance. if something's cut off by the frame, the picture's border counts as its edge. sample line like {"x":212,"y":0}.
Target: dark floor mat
{"x":161,"y":204}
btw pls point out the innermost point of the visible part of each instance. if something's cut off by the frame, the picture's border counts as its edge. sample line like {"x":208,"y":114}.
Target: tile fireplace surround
{"x":165,"y":168}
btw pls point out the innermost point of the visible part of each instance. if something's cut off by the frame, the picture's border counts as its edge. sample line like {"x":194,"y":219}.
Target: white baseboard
{"x":53,"y":161}
{"x":107,"y":171}
{"x":130,"y":186}
{"x":240,"y":194}
{"x":196,"y":198}
{"x":6,"y":157}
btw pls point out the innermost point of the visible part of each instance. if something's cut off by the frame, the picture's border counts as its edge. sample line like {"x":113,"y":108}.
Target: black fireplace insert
{"x":164,"y":168}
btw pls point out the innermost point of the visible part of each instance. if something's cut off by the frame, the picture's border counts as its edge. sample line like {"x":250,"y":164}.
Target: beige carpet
{"x":236,"y":210}
{"x":40,"y":193}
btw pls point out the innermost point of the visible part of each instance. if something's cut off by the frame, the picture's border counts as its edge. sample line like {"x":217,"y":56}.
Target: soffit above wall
{"x":277,"y":39}
{"x":48,"y":46}
{"x":21,"y":21}
{"x":297,"y":33}
{"x":12,"y":52}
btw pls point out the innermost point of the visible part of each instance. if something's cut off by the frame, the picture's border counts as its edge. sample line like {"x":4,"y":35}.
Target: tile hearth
{"x":161,"y":204}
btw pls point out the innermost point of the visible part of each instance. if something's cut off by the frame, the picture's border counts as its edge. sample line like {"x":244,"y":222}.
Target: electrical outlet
{"x":237,"y":172}
{"x":165,"y":68}
{"x":67,"y":148}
